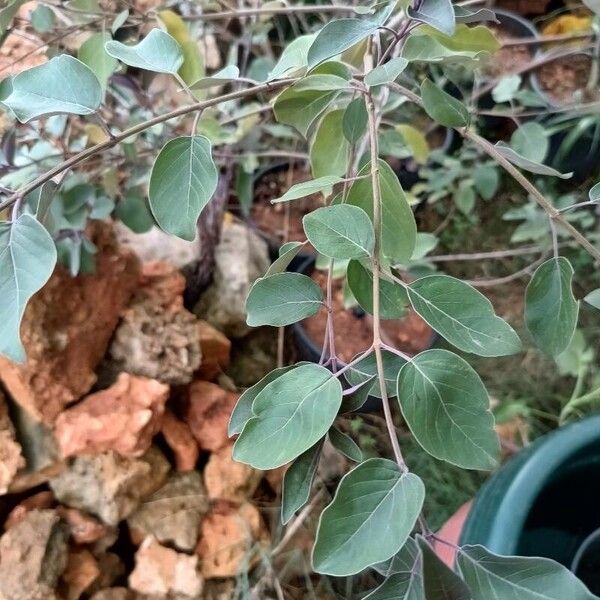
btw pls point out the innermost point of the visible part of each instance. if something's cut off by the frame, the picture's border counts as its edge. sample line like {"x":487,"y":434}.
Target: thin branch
{"x":81,"y":157}
{"x":271,"y":10}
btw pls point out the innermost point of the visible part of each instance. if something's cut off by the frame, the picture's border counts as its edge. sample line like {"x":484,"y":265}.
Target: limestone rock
{"x":119,"y":593}
{"x":253,"y":356}
{"x":241,"y":257}
{"x":157,"y":245}
{"x":207,"y":413}
{"x":227,"y":479}
{"x":39,"y":501}
{"x":216,"y":349}
{"x":163,"y":572}
{"x":179,"y":438}
{"x":111,"y":568}
{"x":226,"y":535}
{"x":162,"y":284}
{"x":124,"y":418}
{"x":108,"y":485}
{"x":33,"y":555}
{"x":67,"y":327}
{"x":11,"y":457}
{"x":83,"y":529}
{"x":172,"y":514}
{"x":81,"y":572}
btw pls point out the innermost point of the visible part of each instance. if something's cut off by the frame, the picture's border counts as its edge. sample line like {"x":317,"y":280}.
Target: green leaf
{"x":405,"y":561}
{"x":345,"y":444}
{"x":243,"y":408}
{"x":426,"y":49}
{"x":593,"y":298}
{"x":399,"y":230}
{"x":466,"y":15}
{"x":340,"y":34}
{"x":355,"y":120}
{"x":464,"y":198}
{"x":486,"y":180}
{"x":437,"y":13}
{"x":594,"y":193}
{"x":370,"y":518}
{"x":416,"y":142}
{"x":507,"y":88}
{"x":528,"y":165}
{"x":40,"y":203}
{"x":442,"y":107}
{"x":321,"y":82}
{"x":340,"y":231}
{"x":183,"y":180}
{"x":228,"y":74}
{"x":291,"y":414}
{"x":439,"y":581}
{"x":293,"y":58}
{"x":307,"y":188}
{"x":287,"y":253}
{"x":392,"y":297}
{"x":62,"y":85}
{"x":447,"y":409}
{"x":7,"y":12}
{"x":355,"y":397}
{"x":134,"y":212}
{"x":386,"y":73}
{"x":42,"y":19}
{"x":530,"y":140}
{"x":329,"y":149}
{"x":517,"y":577}
{"x":158,"y":52}
{"x":298,"y":481}
{"x":282,"y":299}
{"x":551,"y":309}
{"x":366,"y":370}
{"x":464,"y":316}
{"x":400,"y":586}
{"x":119,"y":21}
{"x":426,"y":242}
{"x":92,"y":54}
{"x":27,"y":259}
{"x":466,"y":39}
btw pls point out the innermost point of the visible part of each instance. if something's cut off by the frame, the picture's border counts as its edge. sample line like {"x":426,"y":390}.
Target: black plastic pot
{"x":309,"y":351}
{"x":546,"y":502}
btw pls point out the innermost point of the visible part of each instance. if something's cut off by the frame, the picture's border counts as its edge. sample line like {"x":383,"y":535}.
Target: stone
{"x":162,"y":284}
{"x":124,"y":418}
{"x":33,"y":555}
{"x":216,"y":350}
{"x":180,"y":440}
{"x":157,"y":343}
{"x":227,"y":479}
{"x":83,"y":528}
{"x":66,"y":329}
{"x":172,"y":514}
{"x":156,"y":245}
{"x":11,"y":456}
{"x":108,"y":485}
{"x":253,"y":356}
{"x":227,"y":534}
{"x":241,"y":257}
{"x":208,"y":409}
{"x":38,"y":501}
{"x":117,"y":593}
{"x":163,"y":572}
{"x":81,"y":572}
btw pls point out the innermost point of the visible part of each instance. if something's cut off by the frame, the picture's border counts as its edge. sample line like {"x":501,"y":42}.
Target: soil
{"x":354,"y":328}
{"x":561,"y":79}
{"x":508,"y":59}
{"x":274,"y":219}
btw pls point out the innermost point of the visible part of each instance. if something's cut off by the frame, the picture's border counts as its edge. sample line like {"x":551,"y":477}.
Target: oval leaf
{"x":446,"y":407}
{"x":355,"y":120}
{"x":306,"y":188}
{"x":345,"y":444}
{"x":387,"y":72}
{"x":62,"y":85}
{"x":340,"y":231}
{"x":291,"y":414}
{"x":93,"y":54}
{"x":526,"y":578}
{"x":282,"y":299}
{"x":442,"y":107}
{"x":366,"y":370}
{"x":27,"y":259}
{"x":157,"y":52}
{"x":551,"y":309}
{"x":228,"y":74}
{"x":437,"y":13}
{"x":329,"y":150}
{"x":528,"y":165}
{"x":183,"y":180}
{"x":464,"y":316}
{"x":370,"y":518}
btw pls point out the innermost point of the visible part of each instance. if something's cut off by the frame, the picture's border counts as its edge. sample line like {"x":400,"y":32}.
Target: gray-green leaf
{"x":158,"y":52}
{"x":228,"y":74}
{"x":437,"y":13}
{"x":290,"y":415}
{"x":306,"y":188}
{"x":593,"y":298}
{"x":287,"y":253}
{"x":400,"y":586}
{"x":93,"y":54}
{"x":355,"y":120}
{"x":370,"y":518}
{"x":345,"y":444}
{"x":183,"y":180}
{"x":518,"y":577}
{"x":551,"y":309}
{"x":27,"y":259}
{"x":298,"y":480}
{"x":446,"y":407}
{"x":442,"y":107}
{"x":62,"y":85}
{"x":387,"y":72}
{"x":340,"y":231}
{"x":528,"y":165}
{"x":329,"y":149}
{"x":282,"y":299}
{"x":366,"y":370}
{"x":464,"y":316}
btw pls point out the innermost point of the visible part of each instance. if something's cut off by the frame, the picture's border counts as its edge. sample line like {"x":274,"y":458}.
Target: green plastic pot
{"x":546,"y":502}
